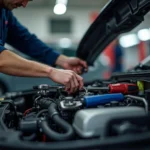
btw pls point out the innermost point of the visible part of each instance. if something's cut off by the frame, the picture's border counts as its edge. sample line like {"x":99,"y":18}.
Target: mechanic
{"x":15,"y":34}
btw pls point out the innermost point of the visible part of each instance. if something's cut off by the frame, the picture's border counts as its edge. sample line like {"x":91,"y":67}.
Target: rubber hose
{"x":45,"y":103}
{"x":52,"y":110}
{"x":69,"y":133}
{"x":32,"y":137}
{"x":54,"y":135}
{"x":64,"y":125}
{"x":41,"y":112}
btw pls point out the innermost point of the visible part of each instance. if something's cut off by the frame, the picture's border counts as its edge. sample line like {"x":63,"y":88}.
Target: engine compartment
{"x":102,"y":110}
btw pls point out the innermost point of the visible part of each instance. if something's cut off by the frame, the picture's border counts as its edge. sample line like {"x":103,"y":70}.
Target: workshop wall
{"x":37,"y":21}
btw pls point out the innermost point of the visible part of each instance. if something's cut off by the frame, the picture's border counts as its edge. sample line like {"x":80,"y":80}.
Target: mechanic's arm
{"x":12,"y":64}
{"x":20,"y":38}
{"x":72,"y":63}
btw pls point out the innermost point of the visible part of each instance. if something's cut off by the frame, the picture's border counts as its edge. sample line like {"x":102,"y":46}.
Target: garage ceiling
{"x":71,"y":3}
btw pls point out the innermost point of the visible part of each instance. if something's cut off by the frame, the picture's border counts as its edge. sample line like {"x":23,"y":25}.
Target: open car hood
{"x":115,"y":18}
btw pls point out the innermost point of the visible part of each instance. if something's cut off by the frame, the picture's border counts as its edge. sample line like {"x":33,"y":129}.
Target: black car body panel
{"x":116,"y":17}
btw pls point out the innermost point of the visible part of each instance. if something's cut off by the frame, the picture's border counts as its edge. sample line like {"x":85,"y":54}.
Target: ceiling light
{"x":59,"y":9}
{"x":128,"y":40}
{"x":144,"y":34}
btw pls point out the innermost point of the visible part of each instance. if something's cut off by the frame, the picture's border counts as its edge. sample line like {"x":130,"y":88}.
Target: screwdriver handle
{"x":124,"y":88}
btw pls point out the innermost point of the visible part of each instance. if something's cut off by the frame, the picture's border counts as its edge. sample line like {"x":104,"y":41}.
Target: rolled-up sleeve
{"x":21,"y":39}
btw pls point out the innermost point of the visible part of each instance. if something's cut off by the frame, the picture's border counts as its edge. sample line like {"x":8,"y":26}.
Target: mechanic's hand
{"x":68,"y":78}
{"x":72,"y":63}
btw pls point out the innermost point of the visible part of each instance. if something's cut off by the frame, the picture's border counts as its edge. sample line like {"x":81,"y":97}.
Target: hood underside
{"x":116,"y":17}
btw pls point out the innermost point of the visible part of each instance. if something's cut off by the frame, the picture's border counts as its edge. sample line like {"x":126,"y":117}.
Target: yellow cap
{"x":140,"y":85}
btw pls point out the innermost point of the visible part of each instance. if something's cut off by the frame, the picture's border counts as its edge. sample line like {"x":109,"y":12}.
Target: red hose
{"x":28,"y":110}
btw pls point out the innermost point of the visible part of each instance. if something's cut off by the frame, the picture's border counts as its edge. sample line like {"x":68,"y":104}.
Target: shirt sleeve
{"x":1,"y":46}
{"x":20,"y":38}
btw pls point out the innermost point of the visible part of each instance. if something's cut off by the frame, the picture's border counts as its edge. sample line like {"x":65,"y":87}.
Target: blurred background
{"x":62,"y":23}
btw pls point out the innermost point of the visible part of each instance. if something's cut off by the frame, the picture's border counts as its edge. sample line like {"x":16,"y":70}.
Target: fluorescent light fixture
{"x":61,"y":7}
{"x":128,"y":40}
{"x":65,"y":43}
{"x":144,"y":34}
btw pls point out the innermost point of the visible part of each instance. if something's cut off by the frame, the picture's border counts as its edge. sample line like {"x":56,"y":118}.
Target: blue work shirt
{"x":15,"y":34}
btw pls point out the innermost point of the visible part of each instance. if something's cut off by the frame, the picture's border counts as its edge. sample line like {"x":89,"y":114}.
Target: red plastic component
{"x":123,"y":88}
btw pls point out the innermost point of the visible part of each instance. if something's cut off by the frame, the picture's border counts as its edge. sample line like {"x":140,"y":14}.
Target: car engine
{"x":99,"y":110}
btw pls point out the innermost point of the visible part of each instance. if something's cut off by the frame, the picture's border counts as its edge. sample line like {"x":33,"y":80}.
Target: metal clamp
{"x":139,"y":99}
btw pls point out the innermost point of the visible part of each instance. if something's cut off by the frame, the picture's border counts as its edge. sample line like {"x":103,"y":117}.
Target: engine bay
{"x":103,"y":109}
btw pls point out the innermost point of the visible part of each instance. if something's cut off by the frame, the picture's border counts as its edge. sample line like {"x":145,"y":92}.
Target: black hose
{"x":31,"y":137}
{"x":45,"y":102}
{"x":54,"y":135}
{"x":52,"y":110}
{"x":41,"y":112}
{"x":69,"y":133}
